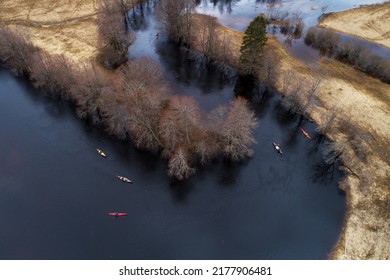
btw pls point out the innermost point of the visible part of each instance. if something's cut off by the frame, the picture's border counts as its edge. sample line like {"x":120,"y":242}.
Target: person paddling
{"x":277,"y":148}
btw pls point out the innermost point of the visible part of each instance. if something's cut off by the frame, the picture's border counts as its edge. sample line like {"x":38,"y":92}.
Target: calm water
{"x":237,"y":14}
{"x":55,"y":190}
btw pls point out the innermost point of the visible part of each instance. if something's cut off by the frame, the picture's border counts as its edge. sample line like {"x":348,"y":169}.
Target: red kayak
{"x":117,"y":214}
{"x":306,"y":134}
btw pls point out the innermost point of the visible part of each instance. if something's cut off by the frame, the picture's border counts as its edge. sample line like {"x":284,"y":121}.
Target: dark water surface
{"x":55,"y":190}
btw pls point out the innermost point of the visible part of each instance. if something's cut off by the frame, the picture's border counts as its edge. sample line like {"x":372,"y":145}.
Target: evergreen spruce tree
{"x":251,"y":50}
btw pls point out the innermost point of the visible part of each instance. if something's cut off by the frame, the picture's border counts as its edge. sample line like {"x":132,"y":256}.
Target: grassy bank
{"x":57,"y":27}
{"x":368,"y":22}
{"x":360,"y":106}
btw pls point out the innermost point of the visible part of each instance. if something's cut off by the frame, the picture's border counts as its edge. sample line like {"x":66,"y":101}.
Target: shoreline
{"x":364,"y":96}
{"x":367,"y":22}
{"x":360,"y":99}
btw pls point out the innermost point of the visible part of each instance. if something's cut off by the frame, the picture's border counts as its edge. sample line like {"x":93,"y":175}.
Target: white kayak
{"x":124,"y":179}
{"x":277,"y":148}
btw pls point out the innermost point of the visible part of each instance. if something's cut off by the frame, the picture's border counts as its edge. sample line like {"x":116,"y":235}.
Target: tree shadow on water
{"x":229,"y":172}
{"x":323,"y":172}
{"x":283,"y":115}
{"x":180,"y":190}
{"x":245,"y":86}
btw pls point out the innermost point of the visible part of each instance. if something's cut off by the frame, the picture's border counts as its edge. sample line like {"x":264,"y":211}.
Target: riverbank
{"x":354,"y":107}
{"x":368,"y":22}
{"x":362,"y":126}
{"x":365,"y":234}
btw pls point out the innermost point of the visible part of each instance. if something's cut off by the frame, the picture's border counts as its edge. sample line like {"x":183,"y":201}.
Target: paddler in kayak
{"x":305,"y":133}
{"x":117,"y":214}
{"x":277,"y":148}
{"x":100,"y":152}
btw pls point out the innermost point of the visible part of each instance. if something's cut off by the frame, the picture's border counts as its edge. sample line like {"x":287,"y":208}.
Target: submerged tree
{"x":180,"y":123}
{"x":176,"y":17}
{"x":237,"y":131}
{"x":178,"y":165}
{"x":252,"y":46}
{"x":89,"y":84}
{"x":144,"y":101}
{"x":53,"y":73}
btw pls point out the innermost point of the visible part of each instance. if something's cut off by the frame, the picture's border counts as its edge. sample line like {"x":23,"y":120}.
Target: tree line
{"x":135,"y":103}
{"x":113,"y":37}
{"x":329,"y":43}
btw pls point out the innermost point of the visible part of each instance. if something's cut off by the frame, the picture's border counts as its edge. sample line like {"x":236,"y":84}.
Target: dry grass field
{"x":371,"y":23}
{"x":58,"y":27}
{"x":363,"y":109}
{"x":363,"y":118}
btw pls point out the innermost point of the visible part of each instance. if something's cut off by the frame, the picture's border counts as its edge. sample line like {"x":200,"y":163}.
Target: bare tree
{"x":180,"y":123}
{"x":224,"y":55}
{"x":293,"y":100}
{"x":333,"y":151}
{"x":178,"y":165}
{"x":324,"y":40}
{"x":142,"y":74}
{"x":208,"y":36}
{"x":287,"y":79}
{"x":328,"y":119}
{"x":144,"y":110}
{"x":144,"y":98}
{"x":268,"y":70}
{"x":54,"y":73}
{"x":317,"y":77}
{"x":210,"y":142}
{"x":237,"y":131}
{"x":206,"y":147}
{"x":87,"y":90}
{"x":293,"y":26}
{"x":16,"y":51}
{"x":113,"y":112}
{"x":176,"y":17}
{"x":113,"y":39}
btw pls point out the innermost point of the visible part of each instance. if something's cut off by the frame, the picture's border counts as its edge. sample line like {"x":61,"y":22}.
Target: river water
{"x":237,"y":14}
{"x":55,"y":190}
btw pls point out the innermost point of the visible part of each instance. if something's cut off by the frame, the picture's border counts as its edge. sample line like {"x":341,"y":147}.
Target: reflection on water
{"x":238,"y":14}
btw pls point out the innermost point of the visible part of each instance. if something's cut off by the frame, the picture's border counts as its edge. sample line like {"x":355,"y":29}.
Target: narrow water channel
{"x":237,"y":14}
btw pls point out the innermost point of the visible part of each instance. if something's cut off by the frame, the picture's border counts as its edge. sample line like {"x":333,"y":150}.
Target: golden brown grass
{"x":364,"y":110}
{"x":58,"y":27}
{"x":368,"y":22}
{"x":68,"y":27}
